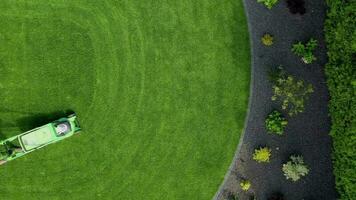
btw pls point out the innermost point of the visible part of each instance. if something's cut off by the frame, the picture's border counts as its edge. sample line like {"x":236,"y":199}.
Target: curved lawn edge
{"x":220,"y":191}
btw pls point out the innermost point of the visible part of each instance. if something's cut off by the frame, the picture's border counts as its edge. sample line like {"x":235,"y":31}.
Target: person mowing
{"x":8,"y":150}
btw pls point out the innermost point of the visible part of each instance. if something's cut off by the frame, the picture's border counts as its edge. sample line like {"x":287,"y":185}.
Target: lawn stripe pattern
{"x":160,"y":89}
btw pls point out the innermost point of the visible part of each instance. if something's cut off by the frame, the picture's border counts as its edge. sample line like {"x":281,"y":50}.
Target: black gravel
{"x":306,"y":133}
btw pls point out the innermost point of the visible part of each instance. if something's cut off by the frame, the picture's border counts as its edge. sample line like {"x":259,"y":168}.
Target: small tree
{"x":291,"y":92}
{"x":295,"y":168}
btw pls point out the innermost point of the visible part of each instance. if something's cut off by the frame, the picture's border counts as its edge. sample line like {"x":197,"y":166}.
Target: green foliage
{"x":291,"y":92}
{"x":305,"y":50}
{"x":275,"y":123}
{"x":340,"y":36}
{"x":267,"y":39}
{"x":295,"y":168}
{"x":268,"y":3}
{"x":262,"y":154}
{"x":353,"y":83}
{"x":245,"y":185}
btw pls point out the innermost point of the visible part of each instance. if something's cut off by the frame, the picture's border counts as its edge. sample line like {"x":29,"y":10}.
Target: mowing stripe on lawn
{"x":160,"y":89}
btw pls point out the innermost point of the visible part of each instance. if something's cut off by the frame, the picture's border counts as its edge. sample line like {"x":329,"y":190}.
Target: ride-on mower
{"x":24,"y":143}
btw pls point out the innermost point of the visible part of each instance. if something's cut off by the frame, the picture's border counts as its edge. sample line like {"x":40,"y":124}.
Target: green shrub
{"x":305,"y":50}
{"x":268,"y":3}
{"x":267,"y":39}
{"x":341,"y":73}
{"x":245,"y":185}
{"x":275,"y":123}
{"x":295,"y":168}
{"x":262,"y":154}
{"x":292,"y":93}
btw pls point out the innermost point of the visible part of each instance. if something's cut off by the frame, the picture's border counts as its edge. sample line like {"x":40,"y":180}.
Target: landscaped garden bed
{"x":286,"y":151}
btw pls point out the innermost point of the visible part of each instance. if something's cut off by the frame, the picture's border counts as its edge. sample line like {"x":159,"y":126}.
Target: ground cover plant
{"x":305,"y":51}
{"x":341,"y":74}
{"x":292,"y":93}
{"x":262,"y":155}
{"x":276,"y":123}
{"x":160,"y":89}
{"x":295,"y":168}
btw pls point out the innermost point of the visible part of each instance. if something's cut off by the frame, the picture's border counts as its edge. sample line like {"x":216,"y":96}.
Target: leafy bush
{"x":292,"y":93}
{"x":262,"y":154}
{"x":341,"y":75}
{"x":245,"y":185}
{"x":305,"y":50}
{"x":267,"y":39}
{"x":295,"y":168}
{"x":268,"y":3}
{"x":296,"y":6}
{"x":275,"y":123}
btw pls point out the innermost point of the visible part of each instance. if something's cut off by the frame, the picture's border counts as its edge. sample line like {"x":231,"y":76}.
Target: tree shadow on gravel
{"x":39,"y":119}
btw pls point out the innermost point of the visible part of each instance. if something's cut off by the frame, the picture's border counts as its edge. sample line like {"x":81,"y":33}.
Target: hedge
{"x":340,"y":31}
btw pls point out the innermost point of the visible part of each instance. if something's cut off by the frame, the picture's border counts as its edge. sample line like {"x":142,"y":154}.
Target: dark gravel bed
{"x":306,"y":133}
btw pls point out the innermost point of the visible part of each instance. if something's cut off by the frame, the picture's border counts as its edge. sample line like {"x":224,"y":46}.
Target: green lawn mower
{"x":24,"y":143}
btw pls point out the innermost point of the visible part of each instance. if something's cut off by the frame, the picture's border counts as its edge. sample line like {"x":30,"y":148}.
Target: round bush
{"x":262,"y":154}
{"x":267,"y":39}
{"x":276,"y":123}
{"x":295,"y":168}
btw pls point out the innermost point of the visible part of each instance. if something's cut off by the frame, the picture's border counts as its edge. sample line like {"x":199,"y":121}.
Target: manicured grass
{"x":160,"y":89}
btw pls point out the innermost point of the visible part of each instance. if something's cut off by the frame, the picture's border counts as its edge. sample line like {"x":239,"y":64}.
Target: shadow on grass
{"x":4,"y":126}
{"x":2,"y":136}
{"x":39,"y":119}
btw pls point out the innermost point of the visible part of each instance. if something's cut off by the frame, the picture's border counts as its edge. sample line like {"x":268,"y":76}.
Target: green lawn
{"x":160,"y":89}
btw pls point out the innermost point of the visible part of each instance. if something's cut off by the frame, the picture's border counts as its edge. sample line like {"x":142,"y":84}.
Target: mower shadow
{"x":39,"y":119}
{"x":2,"y":136}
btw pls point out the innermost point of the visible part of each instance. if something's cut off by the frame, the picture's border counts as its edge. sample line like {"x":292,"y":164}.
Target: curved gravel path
{"x":306,"y":133}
